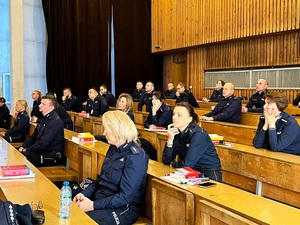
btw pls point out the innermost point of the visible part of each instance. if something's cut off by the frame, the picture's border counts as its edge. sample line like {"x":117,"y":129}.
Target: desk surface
{"x":24,"y":191}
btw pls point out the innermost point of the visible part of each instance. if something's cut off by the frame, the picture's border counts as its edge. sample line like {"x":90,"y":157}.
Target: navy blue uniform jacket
{"x":72,"y":104}
{"x":188,"y":96}
{"x":122,"y":179}
{"x":286,"y":137}
{"x":216,"y":95}
{"x":35,"y":109}
{"x":110,"y":99}
{"x":258,"y":101}
{"x":20,"y":128}
{"x":137,"y":94}
{"x":194,"y":148}
{"x":4,"y":117}
{"x":162,"y":118}
{"x":146,"y":99}
{"x":227,"y":110}
{"x":97,"y":107}
{"x":170,"y":94}
{"x":48,"y":135}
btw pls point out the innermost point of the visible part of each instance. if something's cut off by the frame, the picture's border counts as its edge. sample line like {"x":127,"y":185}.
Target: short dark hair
{"x":159,"y":95}
{"x":279,"y":98}
{"x":2,"y":100}
{"x":222,"y":82}
{"x":104,"y":86}
{"x":52,"y":100}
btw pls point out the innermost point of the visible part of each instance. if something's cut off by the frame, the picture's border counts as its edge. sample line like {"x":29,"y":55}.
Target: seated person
{"x":46,"y":145}
{"x":118,"y":193}
{"x":146,"y":98}
{"x":296,"y":101}
{"x":171,"y":91}
{"x":4,"y":115}
{"x":277,"y":130}
{"x":109,"y":97}
{"x":64,"y":116}
{"x":228,"y":109}
{"x":184,"y":95}
{"x":137,"y":94}
{"x":257,"y":99}
{"x":161,"y":114}
{"x":35,"y":113}
{"x":71,"y":102}
{"x":193,"y":145}
{"x":19,"y":132}
{"x":217,"y":93}
{"x":96,"y":104}
{"x":124,"y":104}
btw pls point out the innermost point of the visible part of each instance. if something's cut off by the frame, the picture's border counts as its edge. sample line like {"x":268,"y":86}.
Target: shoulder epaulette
{"x":134,"y":149}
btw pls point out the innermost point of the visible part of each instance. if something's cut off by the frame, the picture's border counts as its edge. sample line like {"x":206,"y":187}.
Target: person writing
{"x":161,"y":114}
{"x":19,"y":132}
{"x":117,"y":195}
{"x":193,"y":145}
{"x":277,"y":130}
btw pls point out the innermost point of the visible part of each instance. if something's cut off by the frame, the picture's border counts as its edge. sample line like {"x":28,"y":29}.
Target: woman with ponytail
{"x":19,"y":132}
{"x":191,"y":143}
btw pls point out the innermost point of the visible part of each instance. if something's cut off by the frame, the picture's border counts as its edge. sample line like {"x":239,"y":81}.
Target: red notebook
{"x":14,"y":170}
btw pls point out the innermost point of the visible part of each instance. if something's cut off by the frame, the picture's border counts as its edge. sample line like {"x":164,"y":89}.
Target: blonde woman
{"x":118,"y":193}
{"x":19,"y":132}
{"x":125,"y":104}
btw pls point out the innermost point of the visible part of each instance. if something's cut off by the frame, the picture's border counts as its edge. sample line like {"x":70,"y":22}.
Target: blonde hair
{"x":129,"y":102}
{"x":23,"y":103}
{"x":39,"y":93}
{"x":120,"y":125}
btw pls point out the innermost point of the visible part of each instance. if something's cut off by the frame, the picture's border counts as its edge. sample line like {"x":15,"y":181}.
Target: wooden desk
{"x":271,"y":174}
{"x":237,"y":133}
{"x":40,"y":188}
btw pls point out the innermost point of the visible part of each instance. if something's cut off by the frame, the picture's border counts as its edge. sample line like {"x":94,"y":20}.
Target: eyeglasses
{"x":36,"y":206}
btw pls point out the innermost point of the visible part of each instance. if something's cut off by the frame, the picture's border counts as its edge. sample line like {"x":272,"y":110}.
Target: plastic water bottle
{"x":65,"y":201}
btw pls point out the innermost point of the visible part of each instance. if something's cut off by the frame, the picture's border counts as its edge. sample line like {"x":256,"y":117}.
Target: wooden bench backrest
{"x":171,"y":205}
{"x":212,"y":214}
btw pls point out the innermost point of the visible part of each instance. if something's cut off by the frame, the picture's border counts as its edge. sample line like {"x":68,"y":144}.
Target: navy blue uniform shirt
{"x":123,"y":178}
{"x":137,"y":94}
{"x":97,"y":107}
{"x":4,"y":117}
{"x":227,"y":110}
{"x":195,"y":149}
{"x":48,"y":135}
{"x":258,"y":101}
{"x":72,"y":104}
{"x":162,"y":118}
{"x":216,"y":95}
{"x":146,"y":99}
{"x":170,"y":94}
{"x":285,"y":138}
{"x":20,"y":128}
{"x":110,"y":99}
{"x":187,"y":96}
{"x":35,"y":109}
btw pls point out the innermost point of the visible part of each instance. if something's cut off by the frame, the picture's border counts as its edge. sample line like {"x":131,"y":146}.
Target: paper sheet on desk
{"x":156,"y":130}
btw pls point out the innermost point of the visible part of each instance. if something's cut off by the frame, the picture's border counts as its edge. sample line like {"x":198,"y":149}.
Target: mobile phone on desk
{"x":207,"y":185}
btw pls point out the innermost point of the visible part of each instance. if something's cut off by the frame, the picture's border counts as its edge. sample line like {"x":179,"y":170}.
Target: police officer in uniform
{"x":96,"y":104}
{"x":228,"y":109}
{"x":117,"y":195}
{"x":71,"y":102}
{"x":170,"y":93}
{"x":46,"y":145}
{"x":217,"y":93}
{"x":35,"y":113}
{"x":184,"y":95}
{"x":137,"y":93}
{"x":277,"y":130}
{"x":257,"y":99}
{"x":191,"y":143}
{"x":20,"y":129}
{"x":161,"y":114}
{"x":146,"y":98}
{"x":109,"y":97}
{"x":4,"y":114}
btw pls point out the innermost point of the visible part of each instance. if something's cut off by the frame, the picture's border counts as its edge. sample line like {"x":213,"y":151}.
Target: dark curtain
{"x":78,"y":53}
{"x":78,"y":50}
{"x":133,"y":58}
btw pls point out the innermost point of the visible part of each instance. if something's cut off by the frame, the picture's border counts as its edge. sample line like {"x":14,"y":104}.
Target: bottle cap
{"x":66,"y":183}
